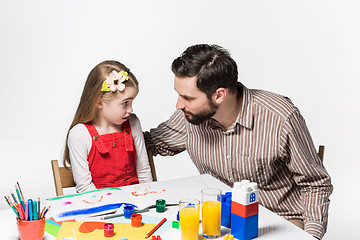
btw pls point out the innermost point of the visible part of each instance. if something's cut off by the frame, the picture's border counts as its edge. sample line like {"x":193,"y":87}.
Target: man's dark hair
{"x":211,"y":64}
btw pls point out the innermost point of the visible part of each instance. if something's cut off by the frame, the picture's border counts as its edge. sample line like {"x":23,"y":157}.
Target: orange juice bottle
{"x":189,"y":223}
{"x":211,"y":218}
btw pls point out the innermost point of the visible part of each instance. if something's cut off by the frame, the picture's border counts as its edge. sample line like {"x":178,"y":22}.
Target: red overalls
{"x":112,"y":157}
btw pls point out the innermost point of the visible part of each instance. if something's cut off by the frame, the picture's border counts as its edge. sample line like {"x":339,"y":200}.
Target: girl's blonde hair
{"x":92,"y":94}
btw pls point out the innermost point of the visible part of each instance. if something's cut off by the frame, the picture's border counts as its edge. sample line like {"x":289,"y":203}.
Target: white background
{"x":306,"y":50}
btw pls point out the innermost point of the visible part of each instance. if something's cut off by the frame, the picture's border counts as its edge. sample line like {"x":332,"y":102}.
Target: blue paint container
{"x":128,"y":211}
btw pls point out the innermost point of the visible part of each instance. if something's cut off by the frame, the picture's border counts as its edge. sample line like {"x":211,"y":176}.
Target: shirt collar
{"x":245,"y":116}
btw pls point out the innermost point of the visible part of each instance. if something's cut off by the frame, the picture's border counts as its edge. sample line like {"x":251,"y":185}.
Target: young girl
{"x":105,"y":144}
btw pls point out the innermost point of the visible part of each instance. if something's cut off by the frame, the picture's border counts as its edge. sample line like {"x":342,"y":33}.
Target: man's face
{"x":194,"y":103}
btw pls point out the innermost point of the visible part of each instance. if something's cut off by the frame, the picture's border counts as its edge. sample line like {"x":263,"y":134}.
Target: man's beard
{"x":202,"y":116}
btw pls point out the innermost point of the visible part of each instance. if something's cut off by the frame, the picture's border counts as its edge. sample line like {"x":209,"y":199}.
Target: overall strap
{"x":129,"y":143}
{"x":99,"y":144}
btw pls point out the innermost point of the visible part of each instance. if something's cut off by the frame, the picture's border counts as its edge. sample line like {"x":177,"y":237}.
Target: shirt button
{"x":227,"y":156}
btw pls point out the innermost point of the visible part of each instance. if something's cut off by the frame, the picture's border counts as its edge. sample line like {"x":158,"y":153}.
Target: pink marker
{"x":26,"y":211}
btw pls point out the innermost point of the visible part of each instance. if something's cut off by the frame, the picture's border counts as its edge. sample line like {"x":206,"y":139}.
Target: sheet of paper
{"x":144,"y":195}
{"x":87,"y":204}
{"x":121,"y":230}
{"x":52,"y":227}
{"x":147,"y":219}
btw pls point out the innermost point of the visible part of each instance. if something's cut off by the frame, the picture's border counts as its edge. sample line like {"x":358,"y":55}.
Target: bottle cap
{"x":160,"y":205}
{"x":109,"y":230}
{"x":136,"y":220}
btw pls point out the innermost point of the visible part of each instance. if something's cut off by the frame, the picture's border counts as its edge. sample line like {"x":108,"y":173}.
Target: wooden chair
{"x":63,"y":177}
{"x":152,"y":165}
{"x":321,"y":152}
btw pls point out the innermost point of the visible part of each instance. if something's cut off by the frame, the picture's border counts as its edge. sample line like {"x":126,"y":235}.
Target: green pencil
{"x":22,"y":196}
{"x":18,"y":193}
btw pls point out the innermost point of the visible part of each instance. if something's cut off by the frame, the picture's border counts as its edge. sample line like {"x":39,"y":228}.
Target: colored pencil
{"x":23,"y":205}
{"x":18,"y":193}
{"x":22,"y":196}
{"x":8,"y":199}
{"x":12,"y":194}
{"x":46,"y":212}
{"x":38,"y":209}
{"x":155,"y":228}
{"x":42,"y":212}
{"x":12,"y":207}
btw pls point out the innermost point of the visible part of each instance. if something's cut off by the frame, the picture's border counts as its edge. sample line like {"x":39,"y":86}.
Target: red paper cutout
{"x":88,"y":227}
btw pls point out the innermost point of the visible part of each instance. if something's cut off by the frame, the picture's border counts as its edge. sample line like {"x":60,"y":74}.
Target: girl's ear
{"x":100,"y":104}
{"x":220,"y":95}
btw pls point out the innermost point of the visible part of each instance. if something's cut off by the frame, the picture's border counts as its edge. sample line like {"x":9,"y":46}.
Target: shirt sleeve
{"x":169,"y":137}
{"x":142,"y":162}
{"x":308,"y":172}
{"x":79,"y":143}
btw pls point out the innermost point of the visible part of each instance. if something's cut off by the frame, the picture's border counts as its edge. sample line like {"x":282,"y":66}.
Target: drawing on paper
{"x":144,"y":190}
{"x":87,"y":204}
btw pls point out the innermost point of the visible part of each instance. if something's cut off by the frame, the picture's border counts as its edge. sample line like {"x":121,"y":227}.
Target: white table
{"x":271,"y":226}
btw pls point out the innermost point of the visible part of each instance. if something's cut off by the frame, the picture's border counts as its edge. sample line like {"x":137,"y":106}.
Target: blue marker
{"x":30,"y":209}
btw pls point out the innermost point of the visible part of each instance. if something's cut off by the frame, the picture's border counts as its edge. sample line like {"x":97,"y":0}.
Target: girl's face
{"x":117,"y":110}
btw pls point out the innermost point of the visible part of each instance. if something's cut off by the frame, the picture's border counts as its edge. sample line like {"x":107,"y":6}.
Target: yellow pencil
{"x":42,"y":212}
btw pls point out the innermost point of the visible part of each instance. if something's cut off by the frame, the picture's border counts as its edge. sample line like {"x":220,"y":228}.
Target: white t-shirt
{"x":80,"y":142}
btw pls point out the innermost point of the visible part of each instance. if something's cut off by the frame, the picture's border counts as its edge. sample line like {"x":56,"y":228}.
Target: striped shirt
{"x":268,"y":143}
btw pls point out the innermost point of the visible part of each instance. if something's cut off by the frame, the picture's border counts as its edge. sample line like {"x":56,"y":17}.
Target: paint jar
{"x":128,"y":211}
{"x":31,"y":230}
{"x":136,"y":220}
{"x":160,"y":205}
{"x":109,"y":230}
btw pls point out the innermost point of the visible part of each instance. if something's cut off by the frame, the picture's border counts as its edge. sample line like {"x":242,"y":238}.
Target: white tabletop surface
{"x":271,"y":226}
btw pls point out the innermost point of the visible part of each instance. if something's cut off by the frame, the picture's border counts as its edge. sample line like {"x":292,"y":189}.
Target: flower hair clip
{"x":115,"y":81}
